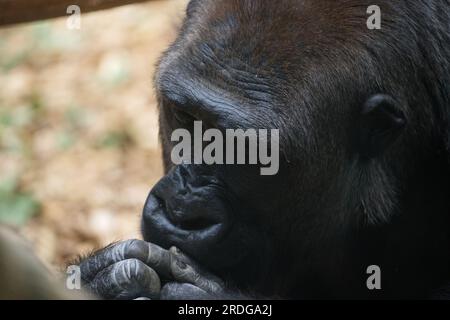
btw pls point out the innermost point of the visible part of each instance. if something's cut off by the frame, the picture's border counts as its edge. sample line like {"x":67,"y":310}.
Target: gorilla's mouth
{"x":186,"y":209}
{"x":185,"y":220}
{"x":170,"y":227}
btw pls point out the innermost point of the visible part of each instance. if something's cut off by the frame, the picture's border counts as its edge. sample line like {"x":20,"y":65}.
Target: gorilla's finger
{"x":182,"y":291}
{"x":183,"y":257}
{"x":152,"y":255}
{"x":186,"y":270}
{"x":127,"y":279}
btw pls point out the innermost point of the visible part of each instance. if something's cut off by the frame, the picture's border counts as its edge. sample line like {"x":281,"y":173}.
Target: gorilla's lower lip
{"x":157,"y":219}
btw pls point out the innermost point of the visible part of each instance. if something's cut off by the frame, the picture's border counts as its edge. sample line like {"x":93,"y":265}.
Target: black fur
{"x":307,"y":68}
{"x":345,"y":197}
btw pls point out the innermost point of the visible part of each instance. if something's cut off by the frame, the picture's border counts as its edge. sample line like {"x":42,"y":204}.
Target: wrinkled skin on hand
{"x":135,"y":269}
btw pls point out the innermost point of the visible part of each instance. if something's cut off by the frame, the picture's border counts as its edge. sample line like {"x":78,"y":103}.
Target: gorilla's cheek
{"x":188,"y":209}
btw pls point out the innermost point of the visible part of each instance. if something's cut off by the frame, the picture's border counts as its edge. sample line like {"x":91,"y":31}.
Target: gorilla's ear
{"x":381,"y":123}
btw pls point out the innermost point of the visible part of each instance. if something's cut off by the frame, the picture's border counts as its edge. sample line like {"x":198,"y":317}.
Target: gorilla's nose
{"x":184,"y":209}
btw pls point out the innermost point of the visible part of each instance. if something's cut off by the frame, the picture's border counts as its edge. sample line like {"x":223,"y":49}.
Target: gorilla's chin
{"x":185,"y":210}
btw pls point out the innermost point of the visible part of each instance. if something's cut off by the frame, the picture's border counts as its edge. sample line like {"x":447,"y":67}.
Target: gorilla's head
{"x":351,"y":116}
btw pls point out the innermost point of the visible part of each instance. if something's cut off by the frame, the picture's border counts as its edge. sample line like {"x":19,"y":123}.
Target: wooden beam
{"x":16,"y":11}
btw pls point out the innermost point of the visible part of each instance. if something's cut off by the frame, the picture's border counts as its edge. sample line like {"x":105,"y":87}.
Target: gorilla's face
{"x":230,"y":217}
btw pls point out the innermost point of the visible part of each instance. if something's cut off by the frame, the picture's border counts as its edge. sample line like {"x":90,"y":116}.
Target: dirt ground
{"x":78,"y":126}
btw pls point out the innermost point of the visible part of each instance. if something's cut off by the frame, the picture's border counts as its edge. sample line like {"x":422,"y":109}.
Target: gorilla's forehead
{"x":257,"y":50}
{"x":272,"y":36}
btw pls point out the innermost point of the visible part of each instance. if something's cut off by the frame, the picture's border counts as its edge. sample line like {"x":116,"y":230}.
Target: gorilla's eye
{"x":183,"y":118}
{"x":381,"y":123}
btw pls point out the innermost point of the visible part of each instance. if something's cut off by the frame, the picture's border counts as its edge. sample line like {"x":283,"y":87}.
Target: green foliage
{"x":11,"y":62}
{"x":65,"y":140}
{"x":16,"y":207}
{"x":115,"y":139}
{"x":17,"y":124}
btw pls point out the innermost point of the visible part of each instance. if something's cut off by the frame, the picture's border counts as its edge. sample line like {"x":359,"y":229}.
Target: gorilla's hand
{"x":134,"y":269}
{"x":126,"y":270}
{"x":191,"y":282}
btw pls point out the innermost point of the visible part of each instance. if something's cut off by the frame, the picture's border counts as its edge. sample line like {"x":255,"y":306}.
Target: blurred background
{"x":79,"y":146}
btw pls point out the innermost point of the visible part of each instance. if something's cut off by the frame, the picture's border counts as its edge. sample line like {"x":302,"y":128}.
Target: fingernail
{"x":175,"y":250}
{"x":181,"y":264}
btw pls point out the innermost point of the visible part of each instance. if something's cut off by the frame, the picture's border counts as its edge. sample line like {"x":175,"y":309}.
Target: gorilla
{"x":364,"y":177}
